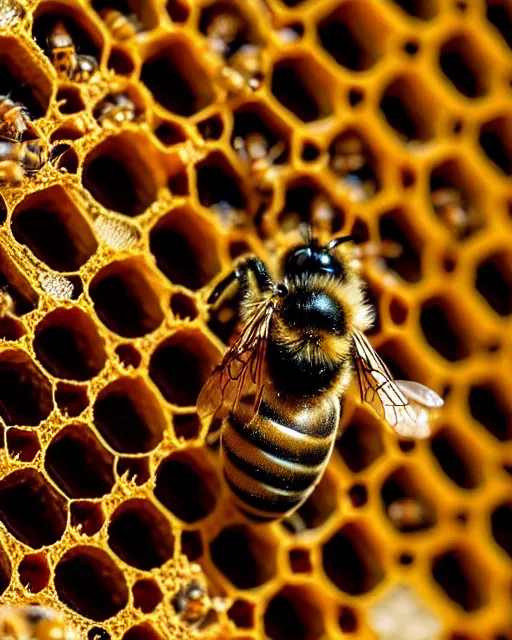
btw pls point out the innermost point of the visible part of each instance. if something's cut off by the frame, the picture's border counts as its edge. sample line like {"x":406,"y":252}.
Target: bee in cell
{"x":115,"y":109}
{"x":121,"y":26}
{"x":193,"y":603}
{"x":34,"y":623}
{"x":408,"y":514}
{"x":67,"y":62}
{"x":21,"y":159}
{"x":453,"y":211}
{"x":260,"y":157}
{"x":14,"y":119}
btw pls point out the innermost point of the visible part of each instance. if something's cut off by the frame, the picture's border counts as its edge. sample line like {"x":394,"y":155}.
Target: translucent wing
{"x":406,"y":406}
{"x":241,"y":372}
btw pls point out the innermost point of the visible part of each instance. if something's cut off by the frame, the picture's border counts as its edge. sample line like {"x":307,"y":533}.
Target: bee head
{"x":312,"y":259}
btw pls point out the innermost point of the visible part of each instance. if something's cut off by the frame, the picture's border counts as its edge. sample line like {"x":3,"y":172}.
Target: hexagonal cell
{"x":496,"y":142}
{"x":395,"y":229}
{"x":30,"y":508}
{"x":140,"y":535}
{"x":347,"y":620}
{"x":170,"y":133}
{"x":488,"y":407}
{"x":360,"y":443}
{"x":147,"y":595}
{"x":462,"y":62}
{"x":88,"y":517}
{"x":494,"y":282}
{"x":501,"y":526}
{"x":179,"y":184}
{"x":353,"y":36}
{"x":255,"y":119}
{"x":458,"y":572}
{"x":117,"y":174}
{"x":439,"y":326}
{"x":25,"y":393}
{"x":128,"y":355}
{"x":499,"y":14}
{"x":78,"y":464}
{"x":405,"y":502}
{"x":49,"y":223}
{"x":128,"y":416}
{"x":353,"y":160}
{"x":126,"y":299}
{"x":358,"y":495}
{"x":22,"y":444}
{"x":178,"y":10}
{"x":142,"y":631}
{"x":177,"y":241}
{"x":137,"y":12}
{"x":34,"y":572}
{"x":307,"y":202}
{"x":187,"y":485}
{"x":71,"y":399}
{"x":421,"y":9}
{"x":5,"y":570}
{"x":187,"y":87}
{"x":22,"y":79}
{"x":292,"y":85}
{"x":186,"y":426}
{"x":70,"y":100}
{"x":68,"y":345}
{"x":351,"y":561}
{"x":218,"y":189}
{"x":192,"y":545}
{"x":184,"y":306}
{"x":212,"y":128}
{"x":320,"y":505}
{"x":137,"y":469}
{"x":409,"y":108}
{"x":181,"y":365}
{"x":300,"y":560}
{"x":120,"y":61}
{"x":293,"y":614}
{"x":241,"y":613}
{"x":89,"y":582}
{"x":244,"y":556}
{"x":456,"y":459}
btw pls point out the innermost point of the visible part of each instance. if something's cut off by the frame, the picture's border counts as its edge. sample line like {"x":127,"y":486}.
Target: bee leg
{"x":251,"y":265}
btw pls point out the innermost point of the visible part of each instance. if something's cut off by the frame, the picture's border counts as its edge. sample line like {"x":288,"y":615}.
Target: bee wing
{"x":240,"y":374}
{"x":406,"y":406}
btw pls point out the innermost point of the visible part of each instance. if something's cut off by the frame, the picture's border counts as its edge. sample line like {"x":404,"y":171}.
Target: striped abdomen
{"x":274,"y":459}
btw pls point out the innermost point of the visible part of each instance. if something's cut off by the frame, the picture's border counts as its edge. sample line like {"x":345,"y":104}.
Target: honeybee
{"x":193,"y":604}
{"x":260,"y":157}
{"x":243,"y":69}
{"x":14,"y":118}
{"x":277,"y":390}
{"x":115,"y":109}
{"x":408,"y":514}
{"x":68,"y":64}
{"x":121,"y":26}
{"x":350,"y":159}
{"x":34,"y":623}
{"x":223,"y":30}
{"x":449,"y":206}
{"x":19,"y":159}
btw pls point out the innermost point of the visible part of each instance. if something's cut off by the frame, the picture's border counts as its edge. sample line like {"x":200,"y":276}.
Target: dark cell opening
{"x":184,"y":306}
{"x":5,"y":570}
{"x":310,"y":152}
{"x":403,"y":106}
{"x":241,"y":613}
{"x":3,"y":211}
{"x":120,"y":62}
{"x":178,"y":11}
{"x":488,"y":409}
{"x":212,"y":128}
{"x":436,"y":322}
{"x":179,"y":184}
{"x":292,"y":85}
{"x":128,"y":355}
{"x":88,"y":517}
{"x":147,"y":595}
{"x":501,"y":525}
{"x":22,"y":443}
{"x":86,"y":36}
{"x":421,"y":9}
{"x":320,"y":505}
{"x":291,"y":615}
{"x":300,"y":561}
{"x":453,"y":458}
{"x":217,"y":185}
{"x":358,"y":495}
{"x":192,"y":545}
{"x":142,"y":632}
{"x":136,"y":468}
{"x":499,"y":15}
{"x":361,"y":443}
{"x":494,"y":282}
{"x":169,"y":133}
{"x":186,"y":426}
{"x":307,"y":202}
{"x":71,"y":100}
{"x":34,"y":572}
{"x":450,"y":571}
{"x":460,"y":62}
{"x":71,"y":399}
{"x":98,"y":633}
{"x":496,"y":142}
{"x":348,"y":620}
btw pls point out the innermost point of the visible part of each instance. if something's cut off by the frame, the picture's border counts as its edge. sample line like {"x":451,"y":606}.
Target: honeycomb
{"x":391,"y":119}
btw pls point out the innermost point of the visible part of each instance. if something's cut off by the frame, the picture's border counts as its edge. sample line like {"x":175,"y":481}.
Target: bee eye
{"x":282,"y":290}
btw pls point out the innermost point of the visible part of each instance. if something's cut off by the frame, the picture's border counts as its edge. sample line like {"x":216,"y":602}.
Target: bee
{"x":6,"y":303}
{"x":68,"y":64}
{"x":223,"y":31}
{"x":243,"y":69}
{"x":11,"y":12}
{"x":115,"y":109}
{"x":350,"y":159}
{"x":14,"y":118}
{"x":277,"y":390}
{"x":256,"y":152}
{"x":193,"y":604}
{"x":450,"y":207}
{"x":19,"y":159}
{"x":34,"y":623}
{"x":408,"y":514}
{"x":121,"y":26}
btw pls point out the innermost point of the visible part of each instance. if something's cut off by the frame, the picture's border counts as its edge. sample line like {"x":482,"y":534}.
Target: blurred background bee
{"x":121,"y":26}
{"x":454,"y":212}
{"x":351,"y":161}
{"x":193,"y":604}
{"x":14,"y":119}
{"x":408,"y":514}
{"x":67,"y":62}
{"x":277,"y":390}
{"x":34,"y":623}
{"x":115,"y":109}
{"x":260,"y":157}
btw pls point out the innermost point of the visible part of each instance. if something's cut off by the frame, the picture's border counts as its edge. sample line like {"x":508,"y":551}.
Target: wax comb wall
{"x":211,"y":129}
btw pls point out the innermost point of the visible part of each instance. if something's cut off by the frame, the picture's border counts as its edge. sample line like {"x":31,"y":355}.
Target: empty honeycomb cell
{"x":437,"y":321}
{"x":22,"y":444}
{"x":354,"y":36}
{"x":120,"y":61}
{"x":421,"y":9}
{"x":125,"y":298}
{"x":306,"y":201}
{"x":358,"y":495}
{"x":5,"y":570}
{"x":89,"y":582}
{"x":88,"y":517}
{"x":360,"y":443}
{"x":501,"y":526}
{"x":31,"y":509}
{"x":404,"y":106}
{"x":128,"y":355}
{"x":70,"y":100}
{"x":147,"y":595}
{"x":179,"y":184}
{"x":397,"y":359}
{"x":405,"y":502}
{"x":194,"y":473}
{"x":184,"y":306}
{"x":300,"y":560}
{"x":462,"y":62}
{"x":140,"y":535}
{"x":187,"y":88}
{"x":181,"y":365}
{"x":117,"y":174}
{"x":137,"y":469}
{"x":192,"y":545}
{"x":178,"y":10}
{"x":186,"y":426}
{"x":34,"y":572}
{"x":488,"y":407}
{"x":398,"y":311}
{"x":128,"y":416}
{"x":317,"y":509}
{"x":25,"y":393}
{"x":244,"y":556}
{"x":51,"y":225}
{"x":241,"y":613}
{"x":455,"y":458}
{"x":456,"y":571}
{"x":71,"y":399}
{"x":351,"y":560}
{"x":499,"y":14}
{"x":496,"y":142}
{"x":494,"y":282}
{"x":69,"y":346}
{"x":310,"y":152}
{"x":177,"y":242}
{"x":347,"y":620}
{"x":170,"y":133}
{"x":78,"y":463}
{"x":292,"y":85}
{"x":142,"y":632}
{"x":212,"y":128}
{"x":217,"y":187}
{"x":292,"y":614}
{"x":68,"y":131}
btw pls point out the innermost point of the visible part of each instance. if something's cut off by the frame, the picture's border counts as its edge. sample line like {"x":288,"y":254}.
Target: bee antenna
{"x":341,"y":240}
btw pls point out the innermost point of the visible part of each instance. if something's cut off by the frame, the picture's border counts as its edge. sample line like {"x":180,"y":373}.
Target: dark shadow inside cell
{"x":128,"y":355}
{"x":300,"y":560}
{"x":310,"y":152}
{"x":120,"y":62}
{"x":186,"y":90}
{"x":184,"y":306}
{"x":403,"y":106}
{"x":241,"y":613}
{"x":87,"y":516}
{"x":358,"y":495}
{"x":499,"y":14}
{"x":140,"y":535}
{"x":225,"y":318}
{"x":354,"y":162}
{"x":421,"y":9}
{"x":501,"y":526}
{"x":85,"y":35}
{"x":453,"y":458}
{"x":320,"y":505}
{"x":292,"y":85}
{"x":88,"y":581}
{"x":256,"y":120}
{"x":488,"y":409}
{"x":405,"y":504}
{"x":243,"y":556}
{"x":291,"y":615}
{"x":360,"y":443}
{"x":442,"y":335}
{"x":147,"y":595}
{"x":30,"y":509}
{"x":70,"y":100}
{"x":169,"y":133}
{"x":212,"y":128}
{"x":178,"y":11}
{"x":23,"y":444}
{"x":5,"y":570}
{"x":98,"y":633}
{"x":451,"y":570}
{"x":71,"y":399}
{"x":136,"y":468}
{"x":142,"y":631}
{"x":460,"y":62}
{"x":184,"y":470}
{"x":396,"y":360}
{"x":496,"y":142}
{"x":408,"y":263}
{"x":191,"y":545}
{"x":3,"y":211}
{"x":398,"y":311}
{"x":347,"y":619}
{"x":68,"y":345}
{"x":78,"y":464}
{"x":494,"y":282}
{"x":67,"y":131}
{"x":34,"y":572}
{"x":217,"y":184}
{"x":16,"y":286}
{"x":186,"y":426}
{"x":142,"y":11}
{"x":307,"y":202}
{"x":179,"y":184}
{"x":351,"y":562}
